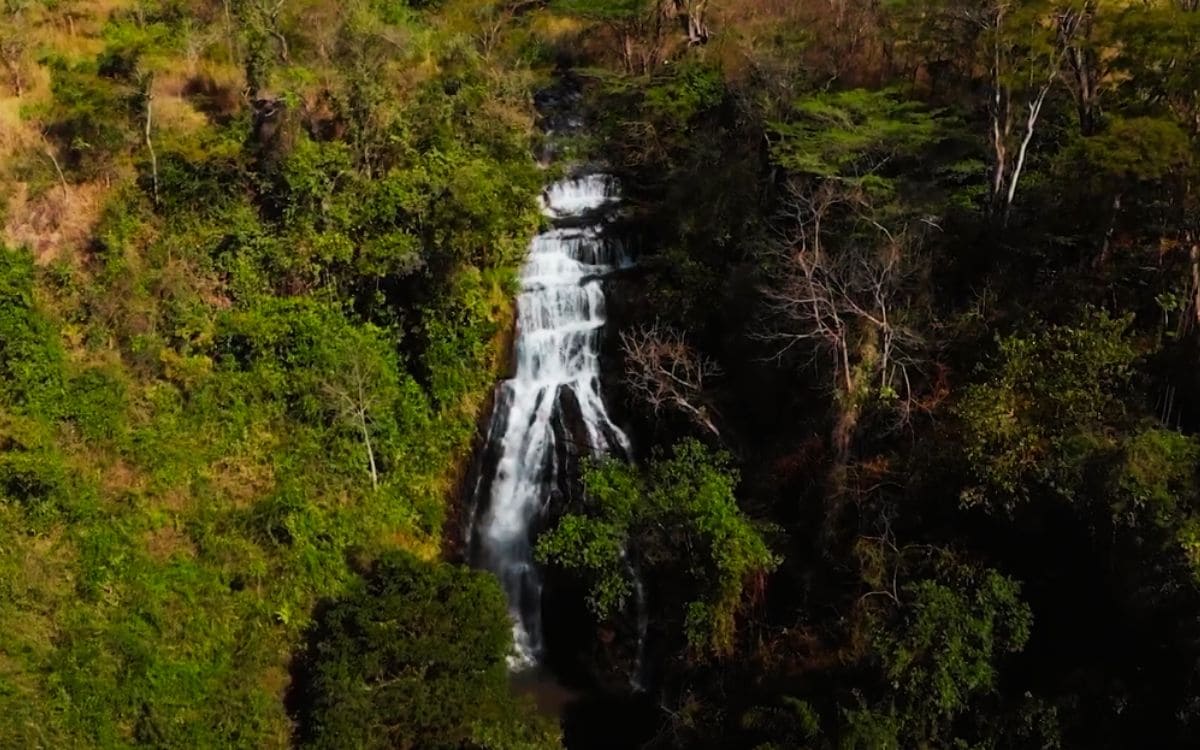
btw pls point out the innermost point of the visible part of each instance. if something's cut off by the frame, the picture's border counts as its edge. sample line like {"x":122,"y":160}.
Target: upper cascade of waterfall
{"x":580,"y":195}
{"x":552,"y":411}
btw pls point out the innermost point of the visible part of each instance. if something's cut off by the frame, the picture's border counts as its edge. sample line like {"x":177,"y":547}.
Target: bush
{"x":414,"y":657}
{"x":31,"y":357}
{"x":89,"y":116}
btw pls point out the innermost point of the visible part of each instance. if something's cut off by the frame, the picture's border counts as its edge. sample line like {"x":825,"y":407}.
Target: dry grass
{"x":186,"y":100}
{"x":241,"y":482}
{"x":172,"y":111}
{"x":119,"y":478}
{"x":15,"y":133}
{"x":167,"y":542}
{"x":75,"y":29}
{"x":58,"y":223}
{"x":41,"y":580}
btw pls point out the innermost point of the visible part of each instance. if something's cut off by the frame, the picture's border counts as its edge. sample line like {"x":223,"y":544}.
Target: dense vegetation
{"x":927,"y":270}
{"x":255,"y":293}
{"x":415,"y":658}
{"x":910,"y":356}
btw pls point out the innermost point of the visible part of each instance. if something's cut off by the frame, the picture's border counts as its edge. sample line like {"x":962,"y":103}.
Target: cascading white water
{"x":553,"y":402}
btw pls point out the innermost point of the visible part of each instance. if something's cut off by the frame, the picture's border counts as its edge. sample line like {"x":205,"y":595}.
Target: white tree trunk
{"x":1035,"y":111}
{"x":366,"y":432}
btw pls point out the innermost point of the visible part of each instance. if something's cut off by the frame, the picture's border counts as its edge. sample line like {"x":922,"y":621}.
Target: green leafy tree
{"x":1131,"y":161}
{"x":680,"y":518}
{"x":940,"y":640}
{"x":1151,"y":39}
{"x":851,"y":135}
{"x":1037,"y":418}
{"x":361,"y":384}
{"x":415,"y":656}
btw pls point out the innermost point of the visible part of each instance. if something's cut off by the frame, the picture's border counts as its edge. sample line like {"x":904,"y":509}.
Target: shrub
{"x":414,"y":657}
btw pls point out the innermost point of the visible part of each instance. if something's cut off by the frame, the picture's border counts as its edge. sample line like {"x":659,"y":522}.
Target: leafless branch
{"x":844,"y":304}
{"x":664,"y":371}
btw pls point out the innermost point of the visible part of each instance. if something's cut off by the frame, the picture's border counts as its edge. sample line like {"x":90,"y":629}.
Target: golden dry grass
{"x":172,"y":111}
{"x":41,"y":579}
{"x":15,"y":133}
{"x":241,"y":481}
{"x":57,"y":224}
{"x":167,"y":542}
{"x":119,"y":477}
{"x":75,"y":29}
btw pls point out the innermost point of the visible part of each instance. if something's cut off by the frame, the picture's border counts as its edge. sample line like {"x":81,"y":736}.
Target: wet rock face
{"x":559,"y":107}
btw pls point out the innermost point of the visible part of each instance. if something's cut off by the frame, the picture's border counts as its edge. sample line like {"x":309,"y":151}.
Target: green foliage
{"x":173,"y":434}
{"x":955,"y":629}
{"x":691,"y":89}
{"x":31,"y":357}
{"x":793,"y":724}
{"x":1132,"y":151}
{"x":313,"y":176}
{"x":851,"y":134}
{"x":1149,"y":41}
{"x":1157,"y":479}
{"x":415,"y":656}
{"x":610,"y":11}
{"x":89,"y":116}
{"x":125,"y":42}
{"x":940,"y":644}
{"x":1031,"y":425}
{"x":679,"y":516}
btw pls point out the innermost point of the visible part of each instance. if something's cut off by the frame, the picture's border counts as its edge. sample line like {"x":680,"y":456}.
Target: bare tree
{"x":268,"y":13}
{"x":845,"y":304}
{"x":354,"y":398}
{"x":62,"y":178}
{"x":495,"y":17}
{"x":695,"y":22}
{"x":1086,"y":64}
{"x":664,"y":371}
{"x":14,"y":43}
{"x":147,"y":85}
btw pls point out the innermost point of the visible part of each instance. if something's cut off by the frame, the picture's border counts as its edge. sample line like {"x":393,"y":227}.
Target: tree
{"x":360,"y":385}
{"x":495,"y":17}
{"x":639,"y":27}
{"x":1026,"y":51}
{"x":14,"y":43}
{"x":414,"y":657}
{"x":1025,"y":46}
{"x":846,"y":303}
{"x":840,"y":284}
{"x":1153,"y":43}
{"x":939,"y":639}
{"x":680,"y":520}
{"x":1129,"y":154}
{"x":363,"y":48}
{"x":663,"y":371}
{"x":1031,"y":425}
{"x":694,"y":13}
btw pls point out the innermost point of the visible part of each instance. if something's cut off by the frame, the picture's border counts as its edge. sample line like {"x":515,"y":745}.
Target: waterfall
{"x":551,"y":412}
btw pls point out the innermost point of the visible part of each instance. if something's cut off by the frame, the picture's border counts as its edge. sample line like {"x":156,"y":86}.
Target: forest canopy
{"x":908,"y":355}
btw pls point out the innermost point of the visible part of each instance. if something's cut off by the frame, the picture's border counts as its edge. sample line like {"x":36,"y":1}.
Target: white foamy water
{"x":560,"y":312}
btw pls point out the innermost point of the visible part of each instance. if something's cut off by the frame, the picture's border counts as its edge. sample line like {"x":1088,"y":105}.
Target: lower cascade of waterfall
{"x":551,"y":413}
